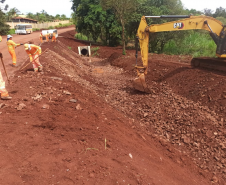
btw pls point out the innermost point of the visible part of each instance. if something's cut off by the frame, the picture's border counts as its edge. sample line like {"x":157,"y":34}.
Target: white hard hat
{"x":9,"y":36}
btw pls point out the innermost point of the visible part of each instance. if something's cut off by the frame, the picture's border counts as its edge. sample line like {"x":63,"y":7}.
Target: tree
{"x":122,"y":10}
{"x":208,"y":12}
{"x":57,"y":16}
{"x":42,"y":18}
{"x":90,"y":18}
{"x":37,"y":16}
{"x":4,"y":28}
{"x":43,"y":12}
{"x":51,"y":18}
{"x":12,"y":13}
{"x":222,"y":19}
{"x":95,"y":22}
{"x":75,"y":4}
{"x":63,"y":17}
{"x":193,"y":12}
{"x":30,"y":15}
{"x":220,"y":12}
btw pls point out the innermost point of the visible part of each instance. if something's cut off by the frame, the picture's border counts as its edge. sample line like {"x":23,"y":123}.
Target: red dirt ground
{"x":81,"y":122}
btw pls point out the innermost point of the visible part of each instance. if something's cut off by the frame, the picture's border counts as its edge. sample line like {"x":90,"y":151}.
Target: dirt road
{"x":20,"y":52}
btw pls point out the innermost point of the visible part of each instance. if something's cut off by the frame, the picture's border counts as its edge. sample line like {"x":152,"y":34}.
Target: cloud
{"x":202,"y":4}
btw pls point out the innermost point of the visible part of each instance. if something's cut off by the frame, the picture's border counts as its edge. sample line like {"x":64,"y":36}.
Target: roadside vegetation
{"x":41,"y":16}
{"x":115,"y":22}
{"x":80,"y":36}
{"x":195,"y":43}
{"x":12,"y":31}
{"x":4,"y":28}
{"x":95,"y":51}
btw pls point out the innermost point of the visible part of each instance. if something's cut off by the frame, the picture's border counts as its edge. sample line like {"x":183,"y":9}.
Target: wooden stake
{"x":4,"y":67}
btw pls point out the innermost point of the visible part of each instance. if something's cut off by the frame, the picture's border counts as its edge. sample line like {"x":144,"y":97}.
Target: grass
{"x":94,"y":51}
{"x":50,"y":27}
{"x":63,"y":25}
{"x":80,"y":36}
{"x":35,"y":29}
{"x":196,"y":44}
{"x":69,"y":47}
{"x":11,"y":31}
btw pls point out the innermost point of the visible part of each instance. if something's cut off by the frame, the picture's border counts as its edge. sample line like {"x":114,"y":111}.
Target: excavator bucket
{"x":140,"y":84}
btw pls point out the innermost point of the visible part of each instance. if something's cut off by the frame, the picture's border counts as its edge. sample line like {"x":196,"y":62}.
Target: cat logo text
{"x":178,"y":25}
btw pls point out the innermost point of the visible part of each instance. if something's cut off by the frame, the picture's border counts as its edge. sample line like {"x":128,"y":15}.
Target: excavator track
{"x":209,"y":63}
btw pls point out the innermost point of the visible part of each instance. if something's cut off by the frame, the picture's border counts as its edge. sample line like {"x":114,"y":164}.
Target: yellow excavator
{"x":188,"y":22}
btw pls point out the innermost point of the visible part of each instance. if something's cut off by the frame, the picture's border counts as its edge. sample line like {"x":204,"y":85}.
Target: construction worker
{"x":3,"y":91}
{"x":54,"y":37}
{"x":40,"y":37}
{"x":11,"y":47}
{"x":34,"y":51}
{"x":0,"y":38}
{"x":47,"y":36}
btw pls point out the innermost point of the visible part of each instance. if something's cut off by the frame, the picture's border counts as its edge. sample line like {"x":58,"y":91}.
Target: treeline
{"x":115,"y":22}
{"x":42,"y":16}
{"x":219,"y":13}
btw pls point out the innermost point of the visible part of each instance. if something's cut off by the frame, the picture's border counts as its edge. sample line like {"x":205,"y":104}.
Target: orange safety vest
{"x":11,"y":45}
{"x":34,"y":50}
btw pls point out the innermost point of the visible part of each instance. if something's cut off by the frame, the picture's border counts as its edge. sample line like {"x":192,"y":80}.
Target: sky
{"x":202,"y":4}
{"x":52,"y":7}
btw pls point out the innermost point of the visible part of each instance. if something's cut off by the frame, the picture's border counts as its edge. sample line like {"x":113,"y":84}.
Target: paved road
{"x":20,"y":52}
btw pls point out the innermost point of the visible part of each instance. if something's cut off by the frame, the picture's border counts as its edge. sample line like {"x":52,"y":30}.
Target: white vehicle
{"x":44,"y":32}
{"x":23,"y":28}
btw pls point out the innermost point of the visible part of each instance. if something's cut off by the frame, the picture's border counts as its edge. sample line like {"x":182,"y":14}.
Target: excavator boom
{"x":216,"y":29}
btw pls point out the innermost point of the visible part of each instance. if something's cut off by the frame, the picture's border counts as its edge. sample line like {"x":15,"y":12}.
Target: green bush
{"x":35,"y":29}
{"x":94,"y":51}
{"x":11,"y":31}
{"x":50,"y":27}
{"x":80,"y":36}
{"x":63,"y":25}
{"x":197,"y":44}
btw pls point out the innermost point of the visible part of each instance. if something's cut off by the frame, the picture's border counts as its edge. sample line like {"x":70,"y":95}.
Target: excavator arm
{"x":213,"y":26}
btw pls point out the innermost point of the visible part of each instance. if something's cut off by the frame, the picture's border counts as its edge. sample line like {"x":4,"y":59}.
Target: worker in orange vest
{"x":4,"y":93}
{"x":40,"y":37}
{"x":47,"y":36}
{"x":34,"y":51}
{"x":11,"y":47}
{"x":54,"y":37}
{"x":0,"y":38}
